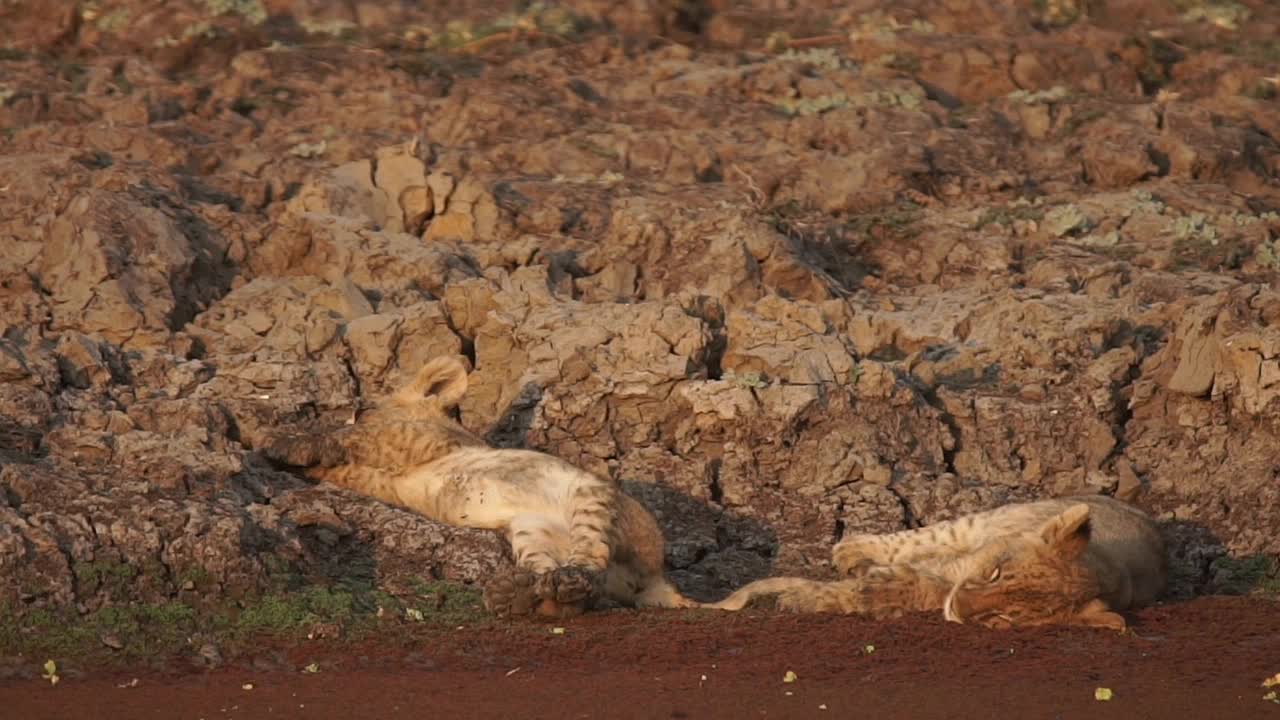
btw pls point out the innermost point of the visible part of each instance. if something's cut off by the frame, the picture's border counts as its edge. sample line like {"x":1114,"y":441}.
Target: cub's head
{"x":434,"y":391}
{"x":419,"y":412}
{"x":1034,"y":578}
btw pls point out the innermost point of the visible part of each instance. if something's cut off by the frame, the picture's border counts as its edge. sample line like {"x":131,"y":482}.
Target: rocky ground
{"x":783,"y":269}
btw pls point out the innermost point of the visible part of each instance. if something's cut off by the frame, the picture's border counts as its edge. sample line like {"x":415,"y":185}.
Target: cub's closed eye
{"x":995,"y":574}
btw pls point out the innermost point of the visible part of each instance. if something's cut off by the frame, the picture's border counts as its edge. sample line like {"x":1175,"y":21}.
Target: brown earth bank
{"x":784,"y":270}
{"x":1205,"y":658}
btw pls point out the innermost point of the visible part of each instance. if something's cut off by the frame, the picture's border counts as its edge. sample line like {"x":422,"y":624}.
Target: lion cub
{"x":1063,"y":561}
{"x":574,"y":535}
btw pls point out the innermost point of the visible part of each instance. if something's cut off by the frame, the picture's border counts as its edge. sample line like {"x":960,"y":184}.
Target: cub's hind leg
{"x":535,"y":547}
{"x":592,"y":527}
{"x":540,"y":545}
{"x":593,"y":515}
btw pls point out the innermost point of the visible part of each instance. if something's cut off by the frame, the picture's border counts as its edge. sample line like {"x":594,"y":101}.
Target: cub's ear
{"x":444,"y":378}
{"x":1096,"y":614}
{"x":1068,"y":530}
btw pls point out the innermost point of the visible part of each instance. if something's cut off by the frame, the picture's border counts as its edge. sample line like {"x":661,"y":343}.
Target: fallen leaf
{"x":247,"y":686}
{"x":790,"y":677}
{"x":1272,"y":696}
{"x":1272,"y":681}
{"x":557,"y":631}
{"x":132,"y":683}
{"x":1102,"y":694}
{"x":414,"y":614}
{"x":868,"y":649}
{"x":513,"y":671}
{"x":312,"y":668}
{"x":209,"y":655}
{"x":309,"y":150}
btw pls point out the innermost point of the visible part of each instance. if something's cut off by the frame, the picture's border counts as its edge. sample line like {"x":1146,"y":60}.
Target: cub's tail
{"x":792,"y":588}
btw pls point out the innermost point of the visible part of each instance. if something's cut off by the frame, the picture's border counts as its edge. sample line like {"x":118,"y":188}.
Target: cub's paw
{"x":853,"y":557}
{"x":567,"y":585}
{"x":309,"y":447}
{"x":512,"y":594}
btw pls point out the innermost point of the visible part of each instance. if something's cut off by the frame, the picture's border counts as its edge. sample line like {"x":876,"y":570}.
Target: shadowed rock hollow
{"x":946,"y":256}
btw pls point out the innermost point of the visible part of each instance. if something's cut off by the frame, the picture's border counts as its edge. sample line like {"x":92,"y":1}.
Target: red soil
{"x":1203,"y":659}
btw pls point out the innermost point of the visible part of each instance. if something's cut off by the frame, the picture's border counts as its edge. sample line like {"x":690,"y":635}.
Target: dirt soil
{"x":1202,"y":659}
{"x":784,"y":270}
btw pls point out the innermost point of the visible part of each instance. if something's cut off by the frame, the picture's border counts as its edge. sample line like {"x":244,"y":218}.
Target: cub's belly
{"x":474,"y":492}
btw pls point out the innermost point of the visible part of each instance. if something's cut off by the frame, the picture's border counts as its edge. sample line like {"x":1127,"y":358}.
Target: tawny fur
{"x":407,"y":451}
{"x":1061,"y":561}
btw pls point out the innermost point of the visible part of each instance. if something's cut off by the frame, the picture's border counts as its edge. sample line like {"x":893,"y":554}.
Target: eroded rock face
{"x":777,"y":294}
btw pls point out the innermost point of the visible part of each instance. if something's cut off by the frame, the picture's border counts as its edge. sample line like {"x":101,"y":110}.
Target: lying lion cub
{"x":571,"y":532}
{"x":1063,"y":561}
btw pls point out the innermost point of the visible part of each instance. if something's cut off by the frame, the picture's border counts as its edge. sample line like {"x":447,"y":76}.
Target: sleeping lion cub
{"x":1068,"y":561}
{"x":574,"y":536}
